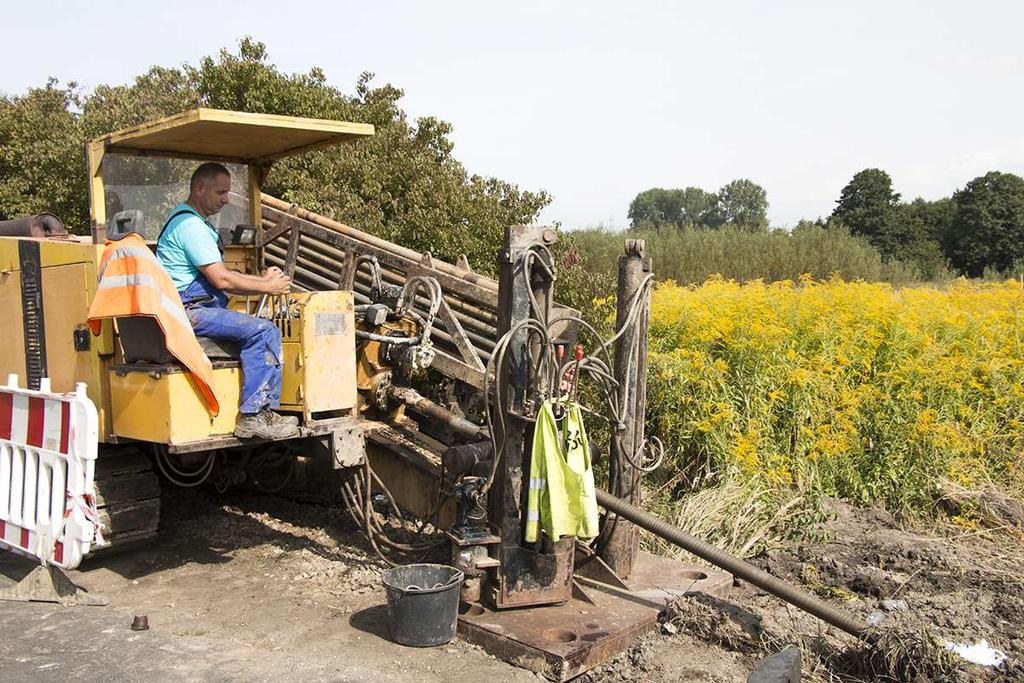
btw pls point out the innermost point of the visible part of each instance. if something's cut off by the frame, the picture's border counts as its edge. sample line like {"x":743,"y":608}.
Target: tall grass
{"x":848,"y":389}
{"x":691,"y":256}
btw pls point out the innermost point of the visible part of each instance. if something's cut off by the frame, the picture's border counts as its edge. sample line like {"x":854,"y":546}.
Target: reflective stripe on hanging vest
{"x":131,"y":282}
{"x":561,"y":500}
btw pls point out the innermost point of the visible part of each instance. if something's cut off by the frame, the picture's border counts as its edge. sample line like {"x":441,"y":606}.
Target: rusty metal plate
{"x":559,"y":641}
{"x":563,"y":641}
{"x":662,"y":578}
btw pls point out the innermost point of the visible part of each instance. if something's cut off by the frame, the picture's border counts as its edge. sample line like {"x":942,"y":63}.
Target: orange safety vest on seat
{"x":131,"y":282}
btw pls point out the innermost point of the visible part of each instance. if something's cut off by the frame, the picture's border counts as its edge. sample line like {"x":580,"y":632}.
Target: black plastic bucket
{"x":423,"y":603}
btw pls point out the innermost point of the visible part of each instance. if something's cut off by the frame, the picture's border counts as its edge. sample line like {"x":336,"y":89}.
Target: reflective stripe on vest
{"x":125,"y":252}
{"x":166,"y":303}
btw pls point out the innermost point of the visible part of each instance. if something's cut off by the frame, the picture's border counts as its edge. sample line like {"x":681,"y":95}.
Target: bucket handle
{"x":439,"y":584}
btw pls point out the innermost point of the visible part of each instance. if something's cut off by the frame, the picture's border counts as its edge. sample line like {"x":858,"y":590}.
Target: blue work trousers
{"x":258,"y":340}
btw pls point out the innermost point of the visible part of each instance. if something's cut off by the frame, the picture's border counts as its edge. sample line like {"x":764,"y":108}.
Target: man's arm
{"x":223,"y":278}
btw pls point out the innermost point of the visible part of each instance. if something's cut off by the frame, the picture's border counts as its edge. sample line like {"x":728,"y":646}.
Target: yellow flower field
{"x":847,"y":389}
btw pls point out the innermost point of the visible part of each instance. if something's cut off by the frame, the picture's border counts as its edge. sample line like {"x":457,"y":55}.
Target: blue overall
{"x":258,"y":339}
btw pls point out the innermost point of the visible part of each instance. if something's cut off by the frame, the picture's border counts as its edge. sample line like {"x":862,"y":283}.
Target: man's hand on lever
{"x":273,"y":281}
{"x":276,"y":281}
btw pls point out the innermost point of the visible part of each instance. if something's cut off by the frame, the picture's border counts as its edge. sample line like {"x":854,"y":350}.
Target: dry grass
{"x":737,"y":517}
{"x":988,"y":507}
{"x":896,"y":656}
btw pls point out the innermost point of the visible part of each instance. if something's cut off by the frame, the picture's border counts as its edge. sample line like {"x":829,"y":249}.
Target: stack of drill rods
{"x":326,"y":261}
{"x":477,"y":294}
{"x":281,"y":208}
{"x":311,"y":281}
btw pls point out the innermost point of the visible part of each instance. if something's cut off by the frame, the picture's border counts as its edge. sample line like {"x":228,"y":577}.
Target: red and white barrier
{"x":48,"y":448}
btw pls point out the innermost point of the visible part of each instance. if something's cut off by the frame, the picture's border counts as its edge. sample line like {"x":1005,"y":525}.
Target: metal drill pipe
{"x":478,"y":332}
{"x":798,"y":598}
{"x":331,"y":258}
{"x":428,"y":408}
{"x":304,"y":278}
{"x":435,"y":334}
{"x":484,"y":346}
{"x":325,"y":222}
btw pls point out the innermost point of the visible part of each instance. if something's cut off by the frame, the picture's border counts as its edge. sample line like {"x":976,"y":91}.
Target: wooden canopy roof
{"x":232,"y":136}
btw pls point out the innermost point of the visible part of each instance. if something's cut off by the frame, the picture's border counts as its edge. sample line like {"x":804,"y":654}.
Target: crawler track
{"x":128,"y":498}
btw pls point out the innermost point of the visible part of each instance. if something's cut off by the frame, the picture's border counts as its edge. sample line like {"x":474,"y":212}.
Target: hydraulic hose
{"x":837,"y":617}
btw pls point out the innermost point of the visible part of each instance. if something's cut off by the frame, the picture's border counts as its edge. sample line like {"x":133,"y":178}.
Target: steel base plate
{"x":563,"y":641}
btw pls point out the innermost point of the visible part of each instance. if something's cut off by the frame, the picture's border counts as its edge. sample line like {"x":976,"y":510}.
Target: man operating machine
{"x":189,"y":249}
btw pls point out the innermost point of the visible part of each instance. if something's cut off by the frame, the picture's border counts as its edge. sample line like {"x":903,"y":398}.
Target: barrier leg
{"x":47,"y":583}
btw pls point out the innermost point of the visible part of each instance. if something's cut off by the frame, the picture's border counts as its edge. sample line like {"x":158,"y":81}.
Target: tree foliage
{"x":979,"y":229}
{"x":868,"y":207}
{"x":744,"y":204}
{"x":741,"y":203}
{"x":403,"y":184}
{"x":41,"y":154}
{"x":912,"y":232}
{"x":988,"y":224}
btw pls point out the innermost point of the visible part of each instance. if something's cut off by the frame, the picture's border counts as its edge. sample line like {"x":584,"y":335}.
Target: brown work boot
{"x":265,"y":424}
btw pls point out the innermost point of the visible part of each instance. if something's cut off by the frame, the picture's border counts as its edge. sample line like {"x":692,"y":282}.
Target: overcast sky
{"x":596,"y":101}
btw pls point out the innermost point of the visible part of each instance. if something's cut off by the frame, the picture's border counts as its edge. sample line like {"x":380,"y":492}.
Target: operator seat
{"x":143,"y":342}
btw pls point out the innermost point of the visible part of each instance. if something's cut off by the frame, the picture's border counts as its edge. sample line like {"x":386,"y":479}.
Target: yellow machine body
{"x":67,"y":276}
{"x":162,"y":405}
{"x":319,"y":353}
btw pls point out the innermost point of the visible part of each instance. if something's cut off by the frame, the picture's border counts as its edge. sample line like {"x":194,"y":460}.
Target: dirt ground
{"x":254,"y":587}
{"x":922,"y":589}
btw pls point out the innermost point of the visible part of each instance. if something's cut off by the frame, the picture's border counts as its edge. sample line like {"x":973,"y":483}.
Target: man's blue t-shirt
{"x":187,"y":243}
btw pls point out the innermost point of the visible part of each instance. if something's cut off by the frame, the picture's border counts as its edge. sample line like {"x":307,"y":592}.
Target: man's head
{"x":208,"y":190}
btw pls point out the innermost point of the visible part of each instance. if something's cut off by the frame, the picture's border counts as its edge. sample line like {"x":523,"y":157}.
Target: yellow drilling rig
{"x":416,"y":384}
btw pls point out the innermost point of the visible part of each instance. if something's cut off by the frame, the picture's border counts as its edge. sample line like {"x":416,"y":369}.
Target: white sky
{"x":596,"y":101}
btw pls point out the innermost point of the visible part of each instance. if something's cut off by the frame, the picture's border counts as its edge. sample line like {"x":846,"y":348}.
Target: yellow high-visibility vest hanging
{"x":561,"y":498}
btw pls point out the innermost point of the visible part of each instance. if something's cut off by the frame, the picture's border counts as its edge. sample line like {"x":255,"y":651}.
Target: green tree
{"x":659,"y":208}
{"x":744,"y":204}
{"x":403,"y":184}
{"x":936,"y":217}
{"x":696,"y":207}
{"x":923,"y":226}
{"x":41,"y":155}
{"x":988,"y":224}
{"x":656,"y":208}
{"x":867,"y":206}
